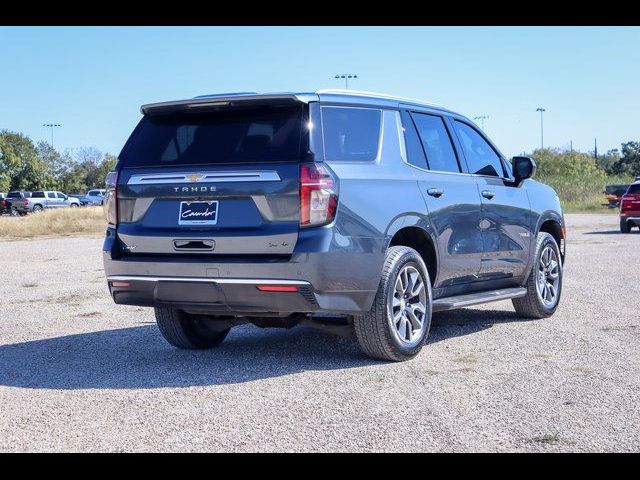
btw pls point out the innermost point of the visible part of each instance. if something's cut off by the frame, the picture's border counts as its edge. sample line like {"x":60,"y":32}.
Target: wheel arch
{"x":553,"y":224}
{"x":415,"y":232}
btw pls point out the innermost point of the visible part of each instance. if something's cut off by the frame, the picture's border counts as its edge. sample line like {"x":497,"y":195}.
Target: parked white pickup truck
{"x":45,"y":199}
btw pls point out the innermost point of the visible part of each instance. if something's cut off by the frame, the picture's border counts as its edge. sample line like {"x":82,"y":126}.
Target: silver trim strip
{"x":451,"y":303}
{"x":209,"y":177}
{"x":237,"y":281}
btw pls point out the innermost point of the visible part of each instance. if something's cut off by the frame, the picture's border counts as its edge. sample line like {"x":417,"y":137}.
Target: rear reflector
{"x":277,"y":288}
{"x":120,"y":284}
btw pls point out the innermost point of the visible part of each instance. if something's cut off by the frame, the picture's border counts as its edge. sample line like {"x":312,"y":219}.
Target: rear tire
{"x":533,"y":305}
{"x":624,"y":226}
{"x":396,"y":327}
{"x":186,"y":331}
{"x":37,"y":209}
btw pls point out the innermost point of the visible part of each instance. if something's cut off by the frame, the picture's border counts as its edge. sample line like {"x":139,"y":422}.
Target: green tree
{"x":108,"y":164}
{"x":609,"y":161}
{"x":20,"y":163}
{"x":629,"y":163}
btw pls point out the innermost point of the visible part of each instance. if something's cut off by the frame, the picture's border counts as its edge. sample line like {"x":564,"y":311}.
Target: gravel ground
{"x":80,"y":373}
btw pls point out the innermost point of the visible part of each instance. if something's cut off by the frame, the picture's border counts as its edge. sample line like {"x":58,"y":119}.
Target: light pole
{"x":482,"y":118}
{"x":541,"y":110}
{"x":52,"y":125}
{"x":346,"y":77}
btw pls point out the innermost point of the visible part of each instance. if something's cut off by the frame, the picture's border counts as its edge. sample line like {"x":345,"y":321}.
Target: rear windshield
{"x":258,"y":134}
{"x":634,"y":189}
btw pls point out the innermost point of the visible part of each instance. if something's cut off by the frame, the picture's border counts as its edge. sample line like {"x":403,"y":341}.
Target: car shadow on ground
{"x":602,"y":232}
{"x":138,"y":358}
{"x":610,"y":232}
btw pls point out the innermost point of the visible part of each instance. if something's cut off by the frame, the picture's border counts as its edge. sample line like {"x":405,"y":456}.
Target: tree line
{"x":570,"y":164}
{"x":25,"y":165}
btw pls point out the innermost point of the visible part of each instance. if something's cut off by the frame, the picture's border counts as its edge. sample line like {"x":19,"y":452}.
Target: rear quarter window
{"x":351,"y":134}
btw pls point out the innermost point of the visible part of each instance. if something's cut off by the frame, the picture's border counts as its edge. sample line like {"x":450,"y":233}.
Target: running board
{"x":460,"y":301}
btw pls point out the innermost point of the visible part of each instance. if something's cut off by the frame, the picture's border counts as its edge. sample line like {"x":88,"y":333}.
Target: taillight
{"x":318,"y":195}
{"x":110,"y":204}
{"x":25,"y":202}
{"x":626,"y":202}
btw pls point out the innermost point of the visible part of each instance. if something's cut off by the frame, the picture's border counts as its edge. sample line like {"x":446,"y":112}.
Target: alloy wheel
{"x":548,"y":280}
{"x":408,"y":305}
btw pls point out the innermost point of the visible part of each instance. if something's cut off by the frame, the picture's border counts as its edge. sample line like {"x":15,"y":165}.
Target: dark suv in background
{"x":12,"y":200}
{"x":345,"y":210}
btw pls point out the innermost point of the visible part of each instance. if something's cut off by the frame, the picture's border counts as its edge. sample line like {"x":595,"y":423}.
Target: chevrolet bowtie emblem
{"x":194,"y":177}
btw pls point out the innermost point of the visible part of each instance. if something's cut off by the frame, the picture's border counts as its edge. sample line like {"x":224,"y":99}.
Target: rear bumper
{"x":633,"y":218}
{"x":329,"y":279}
{"x":212,"y":295}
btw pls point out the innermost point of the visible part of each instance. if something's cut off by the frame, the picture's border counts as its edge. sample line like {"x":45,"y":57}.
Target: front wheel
{"x":398,"y":323}
{"x":186,"y":331}
{"x":74,"y":205}
{"x":544,"y":284}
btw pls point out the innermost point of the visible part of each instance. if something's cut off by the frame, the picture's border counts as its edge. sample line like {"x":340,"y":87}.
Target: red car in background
{"x":630,"y":208}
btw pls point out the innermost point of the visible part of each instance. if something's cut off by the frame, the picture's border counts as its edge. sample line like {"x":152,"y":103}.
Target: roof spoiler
{"x":216,"y":101}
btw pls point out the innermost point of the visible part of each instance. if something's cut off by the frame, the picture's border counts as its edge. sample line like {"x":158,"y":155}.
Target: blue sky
{"x":94,"y":79}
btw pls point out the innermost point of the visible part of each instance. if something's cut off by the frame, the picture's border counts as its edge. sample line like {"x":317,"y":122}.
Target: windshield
{"x":257,"y":134}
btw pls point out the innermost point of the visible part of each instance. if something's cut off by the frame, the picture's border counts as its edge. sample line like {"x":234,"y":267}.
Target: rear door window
{"x":481,"y":157}
{"x":436,"y":143}
{"x":51,"y":195}
{"x":236,"y":135}
{"x":351,"y":134}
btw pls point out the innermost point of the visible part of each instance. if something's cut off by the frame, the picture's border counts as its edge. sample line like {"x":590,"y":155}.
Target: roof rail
{"x":361,"y":93}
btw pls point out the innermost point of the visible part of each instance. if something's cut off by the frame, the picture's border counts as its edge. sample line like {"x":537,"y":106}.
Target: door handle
{"x":435,"y":192}
{"x":488,"y":194}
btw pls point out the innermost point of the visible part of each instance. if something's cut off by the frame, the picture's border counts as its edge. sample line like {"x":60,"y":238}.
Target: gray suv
{"x":349,"y":211}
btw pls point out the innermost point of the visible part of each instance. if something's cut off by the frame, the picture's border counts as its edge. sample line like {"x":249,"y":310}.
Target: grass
{"x":90,"y":314}
{"x":547,"y":439}
{"x":54,"y":223}
{"x":469,"y":358}
{"x":583,"y":193}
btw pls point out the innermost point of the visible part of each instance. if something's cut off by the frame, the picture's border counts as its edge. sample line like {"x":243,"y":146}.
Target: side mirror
{"x":523,"y":168}
{"x":66,"y":197}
